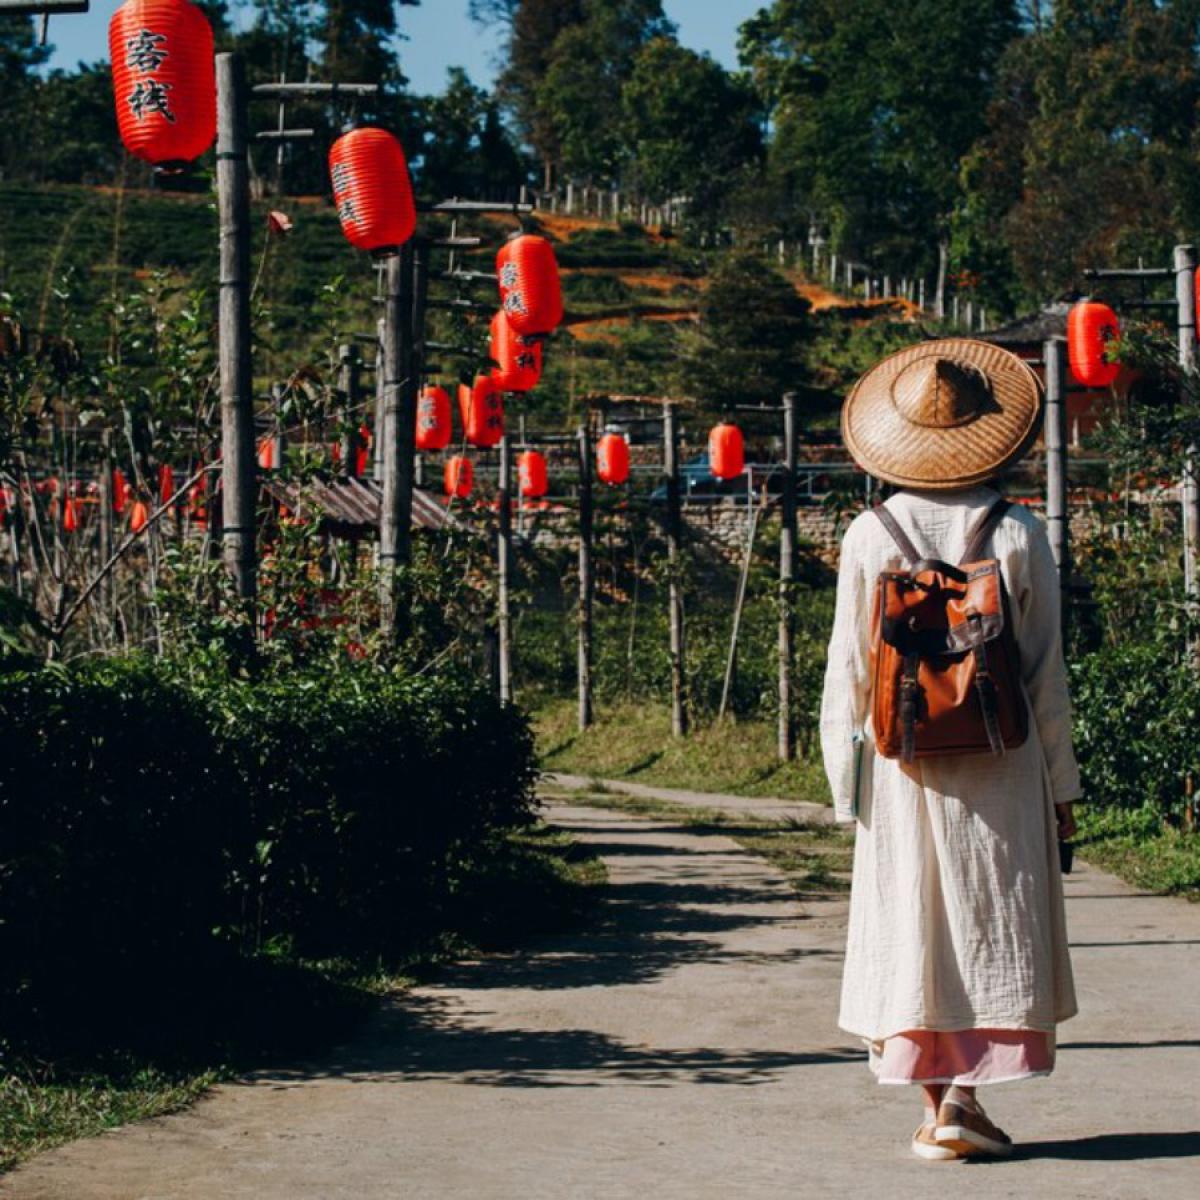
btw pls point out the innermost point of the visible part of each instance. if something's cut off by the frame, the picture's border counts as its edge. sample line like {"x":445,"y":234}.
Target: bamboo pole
{"x":237,"y":397}
{"x":787,"y":577}
{"x":678,"y":644}
{"x":584,"y":659}
{"x":1189,"y":490}
{"x":503,"y":562}
{"x":1054,"y":352}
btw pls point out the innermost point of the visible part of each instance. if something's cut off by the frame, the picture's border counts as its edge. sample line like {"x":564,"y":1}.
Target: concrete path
{"x":769,"y":807}
{"x":686,"y":1047}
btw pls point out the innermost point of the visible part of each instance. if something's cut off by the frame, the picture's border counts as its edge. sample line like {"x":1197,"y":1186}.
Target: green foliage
{"x":750,"y":344}
{"x":143,"y":811}
{"x":689,"y":126}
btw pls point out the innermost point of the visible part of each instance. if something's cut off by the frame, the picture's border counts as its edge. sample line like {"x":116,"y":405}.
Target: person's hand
{"x":1066,"y":820}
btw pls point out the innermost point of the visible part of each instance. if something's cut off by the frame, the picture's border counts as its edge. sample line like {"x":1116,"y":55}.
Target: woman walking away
{"x":946,"y":732}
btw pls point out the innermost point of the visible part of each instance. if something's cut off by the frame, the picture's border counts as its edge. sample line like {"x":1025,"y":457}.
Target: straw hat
{"x":942,"y":414}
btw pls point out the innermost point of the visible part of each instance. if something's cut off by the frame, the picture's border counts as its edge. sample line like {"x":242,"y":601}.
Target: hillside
{"x":67,"y":253}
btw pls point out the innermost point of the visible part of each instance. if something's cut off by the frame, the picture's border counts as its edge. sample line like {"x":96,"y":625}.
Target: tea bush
{"x":148,"y":821}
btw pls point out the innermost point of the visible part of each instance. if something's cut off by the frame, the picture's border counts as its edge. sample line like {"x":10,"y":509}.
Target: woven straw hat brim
{"x":886,"y":444}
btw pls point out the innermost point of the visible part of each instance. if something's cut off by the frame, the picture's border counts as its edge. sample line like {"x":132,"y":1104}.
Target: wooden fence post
{"x":787,"y":577}
{"x":584,"y":659}
{"x":347,"y":386}
{"x":237,"y":396}
{"x":1057,"y":514}
{"x":380,"y":407}
{"x":679,"y":712}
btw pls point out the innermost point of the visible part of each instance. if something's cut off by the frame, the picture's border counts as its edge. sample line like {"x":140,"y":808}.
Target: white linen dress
{"x":957,"y":920}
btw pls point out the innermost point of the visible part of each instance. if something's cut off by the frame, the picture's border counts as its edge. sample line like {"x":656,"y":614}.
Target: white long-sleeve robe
{"x":956,"y":918}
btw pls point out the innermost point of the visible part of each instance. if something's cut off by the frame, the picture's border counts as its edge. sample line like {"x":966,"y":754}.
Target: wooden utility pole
{"x":348,"y":369}
{"x":1189,"y":489}
{"x":679,"y":713}
{"x":503,"y":562}
{"x":399,"y":432}
{"x":237,"y":397}
{"x":787,"y":577}
{"x":586,"y":713}
{"x":1055,"y":432}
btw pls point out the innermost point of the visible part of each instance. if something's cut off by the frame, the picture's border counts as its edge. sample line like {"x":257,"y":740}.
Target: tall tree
{"x":688,"y":126}
{"x":874,"y":105}
{"x":20,"y":55}
{"x":356,"y":39}
{"x":1091,"y":148}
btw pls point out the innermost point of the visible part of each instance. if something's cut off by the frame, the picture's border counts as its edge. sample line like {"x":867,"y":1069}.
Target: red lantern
{"x":120,"y":491}
{"x":1090,"y":327}
{"x":138,"y":517}
{"x":458,"y":476}
{"x":166,"y":483}
{"x":532,"y":476}
{"x":519,"y":357}
{"x":164,"y":80}
{"x":612,"y":459}
{"x":266,"y":454}
{"x":362,"y":453}
{"x":70,"y":515}
{"x":726,"y":451}
{"x":530,"y":291}
{"x":372,"y":189}
{"x":433,"y":419}
{"x":481,"y":407}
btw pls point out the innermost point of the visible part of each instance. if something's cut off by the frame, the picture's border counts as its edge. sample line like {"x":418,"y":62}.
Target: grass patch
{"x":633,"y":741}
{"x":815,"y":858}
{"x":83,"y":1069}
{"x":1136,"y":846}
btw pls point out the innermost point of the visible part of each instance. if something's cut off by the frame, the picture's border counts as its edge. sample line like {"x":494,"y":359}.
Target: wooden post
{"x":679,"y":713}
{"x":1057,"y":516}
{"x":399,"y":431}
{"x":503,"y":560}
{"x":787,"y":577}
{"x":921,"y":293}
{"x":237,"y":397}
{"x":347,"y":385}
{"x":1189,"y":488}
{"x":586,"y":713}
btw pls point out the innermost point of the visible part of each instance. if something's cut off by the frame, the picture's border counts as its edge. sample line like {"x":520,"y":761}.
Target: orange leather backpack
{"x":944,"y":660}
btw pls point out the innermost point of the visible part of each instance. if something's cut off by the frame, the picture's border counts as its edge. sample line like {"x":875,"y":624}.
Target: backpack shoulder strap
{"x":982,"y":530}
{"x":888,"y":519}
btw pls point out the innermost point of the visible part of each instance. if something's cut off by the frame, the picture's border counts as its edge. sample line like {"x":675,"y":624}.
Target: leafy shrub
{"x":334,"y":813}
{"x":1136,"y":709}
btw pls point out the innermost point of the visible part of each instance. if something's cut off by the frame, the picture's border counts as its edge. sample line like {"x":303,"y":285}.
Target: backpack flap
{"x":937,"y":609}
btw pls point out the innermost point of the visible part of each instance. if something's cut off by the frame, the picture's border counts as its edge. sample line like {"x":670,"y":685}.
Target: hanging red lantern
{"x":166,"y":483}
{"x":1090,"y":327}
{"x":70,"y":515}
{"x":612,"y":459}
{"x":458,"y":477}
{"x":164,"y":80}
{"x":266,"y":454}
{"x":372,"y":189}
{"x":138,"y":516}
{"x":726,"y":451}
{"x":519,"y":358}
{"x":530,"y":290}
{"x":481,"y":407}
{"x":120,"y":491}
{"x":532,"y":476}
{"x":433,"y":419}
{"x":362,"y":452}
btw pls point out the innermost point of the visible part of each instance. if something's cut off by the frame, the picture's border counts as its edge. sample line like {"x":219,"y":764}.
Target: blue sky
{"x":440,"y":36}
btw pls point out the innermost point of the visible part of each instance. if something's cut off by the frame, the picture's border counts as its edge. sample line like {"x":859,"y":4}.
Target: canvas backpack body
{"x":944,"y":659}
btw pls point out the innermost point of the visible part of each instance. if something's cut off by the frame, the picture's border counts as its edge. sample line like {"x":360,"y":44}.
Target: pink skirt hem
{"x":966,"y":1056}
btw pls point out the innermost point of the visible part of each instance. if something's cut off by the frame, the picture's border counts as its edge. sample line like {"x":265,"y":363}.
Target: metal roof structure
{"x":1032,"y":329}
{"x":351,"y":507}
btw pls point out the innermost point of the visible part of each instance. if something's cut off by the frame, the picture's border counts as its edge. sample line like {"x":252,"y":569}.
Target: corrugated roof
{"x":353,"y":505}
{"x":1032,"y":329}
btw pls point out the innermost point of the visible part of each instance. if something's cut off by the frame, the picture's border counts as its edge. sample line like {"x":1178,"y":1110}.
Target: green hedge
{"x":148,"y":822}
